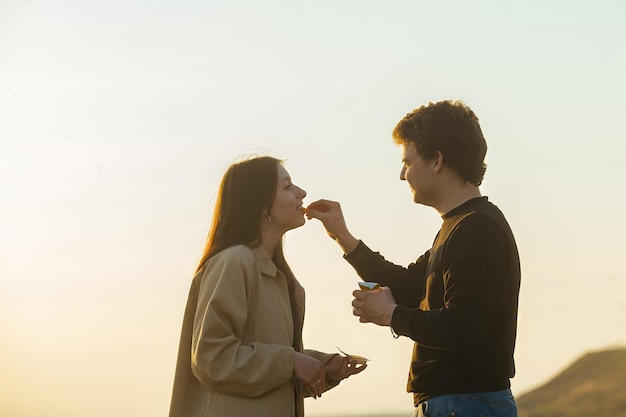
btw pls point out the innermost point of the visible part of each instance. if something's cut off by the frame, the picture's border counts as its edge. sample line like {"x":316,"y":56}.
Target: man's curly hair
{"x":451,"y":128}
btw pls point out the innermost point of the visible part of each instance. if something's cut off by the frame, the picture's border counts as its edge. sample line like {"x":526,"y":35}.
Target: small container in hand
{"x":369,"y":286}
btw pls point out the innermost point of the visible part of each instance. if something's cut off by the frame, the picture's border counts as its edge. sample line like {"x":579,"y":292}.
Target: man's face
{"x":418,"y":173}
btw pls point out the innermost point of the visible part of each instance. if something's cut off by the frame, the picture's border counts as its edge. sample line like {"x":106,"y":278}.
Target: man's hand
{"x":374,"y":307}
{"x":331,"y":216}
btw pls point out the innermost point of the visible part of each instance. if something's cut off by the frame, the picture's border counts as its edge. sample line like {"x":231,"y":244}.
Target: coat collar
{"x":266,"y":265}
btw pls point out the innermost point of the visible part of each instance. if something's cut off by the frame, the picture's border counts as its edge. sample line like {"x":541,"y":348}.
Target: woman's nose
{"x":302,"y":193}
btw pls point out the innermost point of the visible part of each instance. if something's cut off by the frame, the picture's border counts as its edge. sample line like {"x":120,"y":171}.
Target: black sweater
{"x":457,"y":302}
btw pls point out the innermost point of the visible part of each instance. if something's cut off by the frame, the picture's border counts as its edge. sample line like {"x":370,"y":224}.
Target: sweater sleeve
{"x":473,"y":267}
{"x":220,"y":359}
{"x":406,"y":283}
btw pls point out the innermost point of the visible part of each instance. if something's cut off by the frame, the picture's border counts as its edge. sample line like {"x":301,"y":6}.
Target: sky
{"x":118,"y":119}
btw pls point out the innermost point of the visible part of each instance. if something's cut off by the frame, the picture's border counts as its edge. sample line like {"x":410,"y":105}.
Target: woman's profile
{"x":240,"y":351}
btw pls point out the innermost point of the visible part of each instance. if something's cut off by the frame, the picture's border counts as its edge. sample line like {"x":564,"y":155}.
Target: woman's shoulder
{"x":233,"y":258}
{"x":237,"y":252}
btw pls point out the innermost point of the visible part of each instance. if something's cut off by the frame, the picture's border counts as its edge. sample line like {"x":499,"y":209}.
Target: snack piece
{"x":357,"y":358}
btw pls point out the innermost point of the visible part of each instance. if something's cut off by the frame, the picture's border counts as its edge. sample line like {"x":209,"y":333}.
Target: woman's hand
{"x":311,"y":372}
{"x":340,"y":367}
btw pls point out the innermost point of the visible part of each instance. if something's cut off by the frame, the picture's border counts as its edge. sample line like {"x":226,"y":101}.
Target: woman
{"x":241,"y":349}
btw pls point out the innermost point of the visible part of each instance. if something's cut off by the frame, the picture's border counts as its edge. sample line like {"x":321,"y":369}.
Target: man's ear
{"x":438,"y":161}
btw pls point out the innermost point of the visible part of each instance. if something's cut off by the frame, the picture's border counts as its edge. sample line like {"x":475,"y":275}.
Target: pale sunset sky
{"x":118,"y":119}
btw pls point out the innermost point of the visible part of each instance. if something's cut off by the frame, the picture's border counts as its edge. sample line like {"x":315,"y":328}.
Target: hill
{"x":594,"y":385}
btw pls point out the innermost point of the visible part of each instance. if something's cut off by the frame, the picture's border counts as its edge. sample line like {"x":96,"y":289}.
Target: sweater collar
{"x":469,"y":205}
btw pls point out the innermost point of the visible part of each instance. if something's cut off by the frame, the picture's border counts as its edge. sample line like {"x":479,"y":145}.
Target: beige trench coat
{"x":236,"y":349}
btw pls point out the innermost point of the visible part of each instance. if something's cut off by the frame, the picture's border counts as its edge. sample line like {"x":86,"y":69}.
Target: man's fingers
{"x":321,"y":206}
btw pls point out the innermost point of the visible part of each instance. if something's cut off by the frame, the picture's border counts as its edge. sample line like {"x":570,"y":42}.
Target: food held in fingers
{"x":358,"y":359}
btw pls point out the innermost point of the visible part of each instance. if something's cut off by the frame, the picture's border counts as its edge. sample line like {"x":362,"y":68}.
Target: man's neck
{"x":456,"y":197}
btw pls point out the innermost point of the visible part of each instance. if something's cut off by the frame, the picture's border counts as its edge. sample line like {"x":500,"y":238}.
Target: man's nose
{"x":402,"y":174}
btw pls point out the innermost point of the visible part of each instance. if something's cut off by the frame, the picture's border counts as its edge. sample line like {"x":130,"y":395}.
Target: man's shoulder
{"x":482,"y":220}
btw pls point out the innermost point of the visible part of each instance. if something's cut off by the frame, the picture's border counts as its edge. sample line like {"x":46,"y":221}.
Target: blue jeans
{"x":475,"y":404}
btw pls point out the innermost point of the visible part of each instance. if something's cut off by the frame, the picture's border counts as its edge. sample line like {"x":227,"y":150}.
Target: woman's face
{"x":286,"y":213}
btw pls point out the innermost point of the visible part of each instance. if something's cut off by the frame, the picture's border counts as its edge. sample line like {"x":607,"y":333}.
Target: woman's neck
{"x":269,"y":240}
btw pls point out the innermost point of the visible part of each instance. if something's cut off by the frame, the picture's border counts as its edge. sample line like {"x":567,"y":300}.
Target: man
{"x":458,"y":301}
